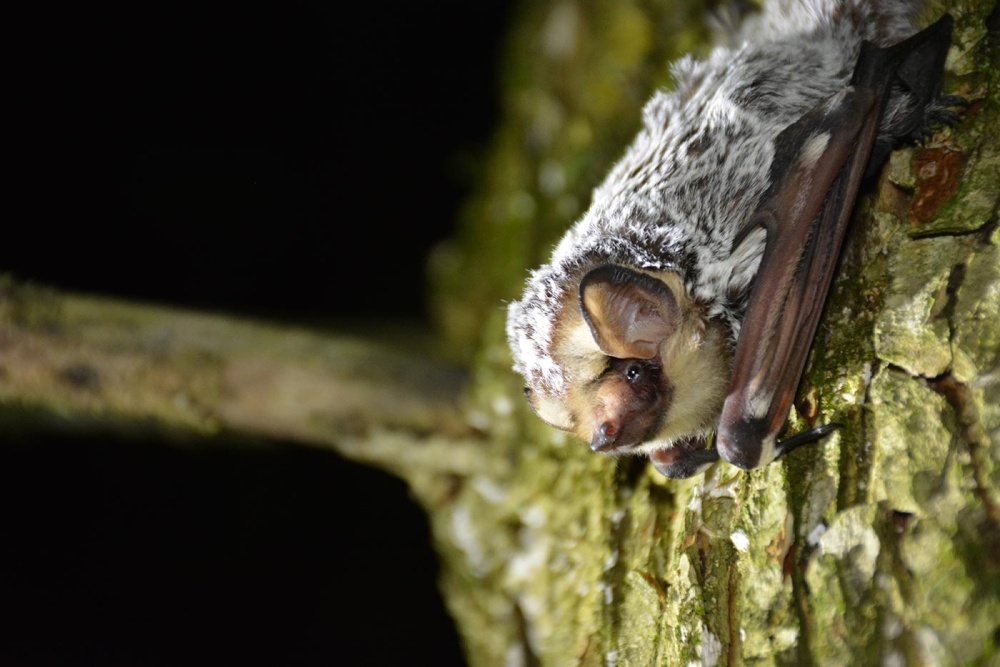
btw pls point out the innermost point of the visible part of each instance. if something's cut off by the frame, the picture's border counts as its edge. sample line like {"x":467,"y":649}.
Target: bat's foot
{"x":914,"y":126}
{"x":917,"y":127}
{"x":804,"y":438}
{"x":915,"y":105}
{"x":937,"y":112}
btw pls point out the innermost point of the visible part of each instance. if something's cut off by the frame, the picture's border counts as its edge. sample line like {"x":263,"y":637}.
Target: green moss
{"x":913,"y":331}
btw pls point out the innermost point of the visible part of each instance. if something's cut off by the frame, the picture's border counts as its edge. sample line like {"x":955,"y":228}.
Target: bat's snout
{"x":605,"y":437}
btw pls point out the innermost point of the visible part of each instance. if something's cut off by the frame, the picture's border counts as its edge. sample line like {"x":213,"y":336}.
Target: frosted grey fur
{"x":700,"y":164}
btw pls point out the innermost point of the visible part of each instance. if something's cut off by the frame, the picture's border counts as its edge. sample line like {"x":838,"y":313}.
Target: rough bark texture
{"x":880,"y":546}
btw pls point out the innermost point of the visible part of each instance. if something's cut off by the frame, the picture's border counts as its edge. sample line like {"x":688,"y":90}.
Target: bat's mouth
{"x":621,"y":450}
{"x":620,"y":442}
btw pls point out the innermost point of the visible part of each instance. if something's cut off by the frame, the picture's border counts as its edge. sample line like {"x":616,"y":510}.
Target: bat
{"x":685,"y":300}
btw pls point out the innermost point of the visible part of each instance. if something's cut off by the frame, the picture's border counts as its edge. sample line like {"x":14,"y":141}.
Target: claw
{"x":804,"y":438}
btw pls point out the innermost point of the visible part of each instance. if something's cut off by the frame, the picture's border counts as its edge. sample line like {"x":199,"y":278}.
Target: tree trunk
{"x":882,"y":545}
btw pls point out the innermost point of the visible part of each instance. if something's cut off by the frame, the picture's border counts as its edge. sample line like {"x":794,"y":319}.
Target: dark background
{"x":288,"y":160}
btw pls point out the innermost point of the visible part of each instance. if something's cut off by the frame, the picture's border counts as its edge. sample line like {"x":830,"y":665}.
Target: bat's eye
{"x":633,"y":373}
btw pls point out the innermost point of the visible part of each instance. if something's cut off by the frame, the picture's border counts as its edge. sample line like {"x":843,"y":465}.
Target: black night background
{"x":293,"y":161}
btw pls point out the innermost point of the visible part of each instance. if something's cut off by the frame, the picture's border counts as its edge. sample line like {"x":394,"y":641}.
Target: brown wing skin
{"x":820,"y":161}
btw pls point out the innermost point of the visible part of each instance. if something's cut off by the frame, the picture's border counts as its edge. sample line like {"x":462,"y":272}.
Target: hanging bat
{"x":687,"y":297}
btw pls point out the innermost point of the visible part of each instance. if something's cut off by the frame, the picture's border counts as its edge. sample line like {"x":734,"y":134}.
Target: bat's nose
{"x":604,"y":437}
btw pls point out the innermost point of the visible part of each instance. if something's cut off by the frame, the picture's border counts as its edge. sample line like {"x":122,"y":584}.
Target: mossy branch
{"x":132,"y":366}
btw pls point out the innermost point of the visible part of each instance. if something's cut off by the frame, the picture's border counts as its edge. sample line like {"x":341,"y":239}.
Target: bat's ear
{"x":629,"y":313}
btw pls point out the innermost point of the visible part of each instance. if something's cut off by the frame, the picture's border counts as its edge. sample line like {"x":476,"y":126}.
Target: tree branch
{"x":129,"y":365}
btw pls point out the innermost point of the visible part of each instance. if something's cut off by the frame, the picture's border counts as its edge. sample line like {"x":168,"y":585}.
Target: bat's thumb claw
{"x":804,"y":438}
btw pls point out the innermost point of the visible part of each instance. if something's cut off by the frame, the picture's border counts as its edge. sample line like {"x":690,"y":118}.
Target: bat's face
{"x":644,"y":367}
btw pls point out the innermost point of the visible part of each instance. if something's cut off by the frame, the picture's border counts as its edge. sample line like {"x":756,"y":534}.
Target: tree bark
{"x":880,"y":546}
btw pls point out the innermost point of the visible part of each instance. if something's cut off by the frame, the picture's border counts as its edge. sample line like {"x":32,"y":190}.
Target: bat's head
{"x":637,"y":363}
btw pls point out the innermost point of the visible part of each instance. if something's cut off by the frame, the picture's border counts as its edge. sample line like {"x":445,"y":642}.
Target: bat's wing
{"x":818,"y":167}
